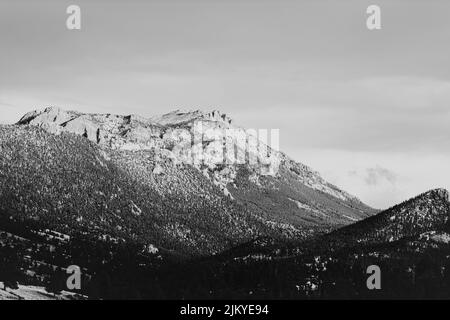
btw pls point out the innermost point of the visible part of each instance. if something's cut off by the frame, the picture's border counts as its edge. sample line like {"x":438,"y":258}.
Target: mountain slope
{"x":118,"y":196}
{"x":161,"y":151}
{"x":428,"y":212}
{"x":419,"y":222}
{"x":410,"y":243}
{"x":67,"y":183}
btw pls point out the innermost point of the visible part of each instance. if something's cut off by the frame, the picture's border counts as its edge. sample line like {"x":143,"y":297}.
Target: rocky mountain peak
{"x":179,"y":117}
{"x":440,"y":193}
{"x":431,"y":198}
{"x":202,"y":139}
{"x":216,"y":115}
{"x":130,"y":132}
{"x":47,"y":116}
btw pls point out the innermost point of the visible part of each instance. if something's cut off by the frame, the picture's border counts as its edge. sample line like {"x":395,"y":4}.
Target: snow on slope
{"x":427,"y":212}
{"x":35,"y":293}
{"x":173,"y":136}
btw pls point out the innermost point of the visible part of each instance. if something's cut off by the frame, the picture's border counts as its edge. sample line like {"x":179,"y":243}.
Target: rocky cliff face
{"x":206,"y":140}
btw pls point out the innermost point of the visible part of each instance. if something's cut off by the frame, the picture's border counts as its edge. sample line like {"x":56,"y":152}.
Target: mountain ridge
{"x":187,"y":204}
{"x":112,"y":194}
{"x":429,"y":211}
{"x":133,"y":132}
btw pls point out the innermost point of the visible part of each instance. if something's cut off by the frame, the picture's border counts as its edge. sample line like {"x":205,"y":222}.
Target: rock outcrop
{"x":240,"y":163}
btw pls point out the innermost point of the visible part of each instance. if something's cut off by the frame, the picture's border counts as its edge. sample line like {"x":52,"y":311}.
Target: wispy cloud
{"x":376,"y":175}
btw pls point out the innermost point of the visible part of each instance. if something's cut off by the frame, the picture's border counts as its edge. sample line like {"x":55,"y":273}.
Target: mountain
{"x":68,"y":184}
{"x":165,"y":152}
{"x":181,"y":206}
{"x":428,"y":212}
{"x":409,"y":242}
{"x":131,"y":196}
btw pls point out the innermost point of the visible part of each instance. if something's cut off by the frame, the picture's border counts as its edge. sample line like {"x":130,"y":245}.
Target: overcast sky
{"x":368,"y":109}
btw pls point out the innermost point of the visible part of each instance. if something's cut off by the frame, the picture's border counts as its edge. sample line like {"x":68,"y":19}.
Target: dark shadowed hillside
{"x":410,"y":243}
{"x":429,"y":211}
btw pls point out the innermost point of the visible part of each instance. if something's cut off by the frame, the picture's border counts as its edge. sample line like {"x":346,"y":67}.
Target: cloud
{"x":378,"y":174}
{"x":414,"y":172}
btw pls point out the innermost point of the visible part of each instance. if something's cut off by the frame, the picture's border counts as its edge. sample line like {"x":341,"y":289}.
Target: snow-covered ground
{"x":34,"y":293}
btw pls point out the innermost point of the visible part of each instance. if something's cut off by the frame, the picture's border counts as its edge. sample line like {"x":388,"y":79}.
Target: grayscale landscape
{"x":224,"y":150}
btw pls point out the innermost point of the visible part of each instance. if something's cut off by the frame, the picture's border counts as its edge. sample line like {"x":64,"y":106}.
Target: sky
{"x":368,"y":109}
